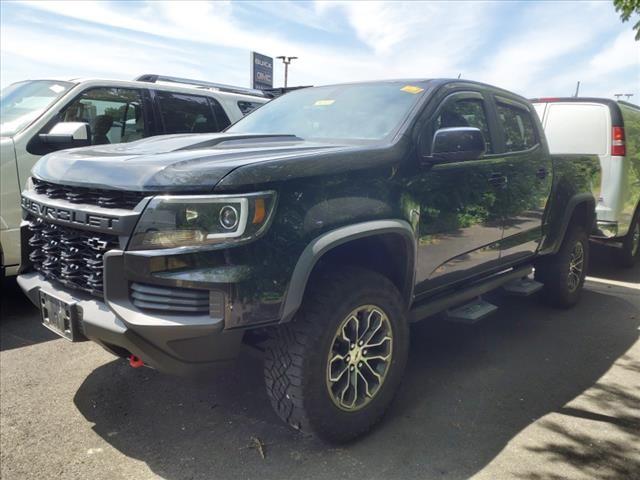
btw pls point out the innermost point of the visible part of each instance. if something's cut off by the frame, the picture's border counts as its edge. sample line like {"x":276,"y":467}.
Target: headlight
{"x":200,"y":220}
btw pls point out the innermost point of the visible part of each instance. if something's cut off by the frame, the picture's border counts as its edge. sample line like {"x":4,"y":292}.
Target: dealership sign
{"x":261,"y":71}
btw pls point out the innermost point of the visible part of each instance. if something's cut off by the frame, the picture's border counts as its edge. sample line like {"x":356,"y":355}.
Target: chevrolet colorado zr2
{"x":318,"y":228}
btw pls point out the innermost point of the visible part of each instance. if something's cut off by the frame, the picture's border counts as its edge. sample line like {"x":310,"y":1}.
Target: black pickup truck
{"x":316,"y":229}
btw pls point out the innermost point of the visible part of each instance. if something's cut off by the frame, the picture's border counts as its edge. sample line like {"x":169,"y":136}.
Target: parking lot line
{"x":616,"y":283}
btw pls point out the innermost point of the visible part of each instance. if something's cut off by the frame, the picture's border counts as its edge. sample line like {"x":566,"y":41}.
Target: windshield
{"x":23,"y":102}
{"x":352,"y":112}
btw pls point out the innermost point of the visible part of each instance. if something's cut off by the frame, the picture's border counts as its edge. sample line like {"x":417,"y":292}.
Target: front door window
{"x":115,"y":115}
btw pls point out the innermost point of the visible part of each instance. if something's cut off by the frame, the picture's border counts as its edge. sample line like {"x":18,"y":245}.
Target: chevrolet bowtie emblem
{"x":97,"y":243}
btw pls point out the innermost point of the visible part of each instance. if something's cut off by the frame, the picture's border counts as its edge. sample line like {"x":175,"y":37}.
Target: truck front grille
{"x":90,"y":196}
{"x":71,"y":257}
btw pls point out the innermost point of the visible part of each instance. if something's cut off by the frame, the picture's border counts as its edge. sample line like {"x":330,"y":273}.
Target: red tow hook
{"x":135,"y":362}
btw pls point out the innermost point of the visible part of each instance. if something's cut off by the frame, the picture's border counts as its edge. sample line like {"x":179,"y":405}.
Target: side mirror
{"x":456,"y":144}
{"x":67,"y":135}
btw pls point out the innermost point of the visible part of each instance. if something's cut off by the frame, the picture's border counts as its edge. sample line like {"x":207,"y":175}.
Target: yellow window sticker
{"x":323,"y":103}
{"x":412,"y":89}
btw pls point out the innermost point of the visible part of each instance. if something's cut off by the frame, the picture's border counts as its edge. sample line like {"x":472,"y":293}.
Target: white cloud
{"x":523,"y":51}
{"x":382,"y":26}
{"x":614,"y":67}
{"x":305,"y":14}
{"x":207,"y":24}
{"x":519,"y":64}
{"x":621,"y":53}
{"x":433,"y":36}
{"x":91,"y":54}
{"x":563,"y":44}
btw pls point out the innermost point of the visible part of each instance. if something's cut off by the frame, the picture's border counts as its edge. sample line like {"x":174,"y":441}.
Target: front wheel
{"x":334,"y":369}
{"x":563,"y":274}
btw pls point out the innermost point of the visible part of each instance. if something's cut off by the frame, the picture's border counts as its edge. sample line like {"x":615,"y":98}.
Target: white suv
{"x":41,"y":116}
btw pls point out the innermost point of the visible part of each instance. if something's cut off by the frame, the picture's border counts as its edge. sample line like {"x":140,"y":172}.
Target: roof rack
{"x":153,"y":78}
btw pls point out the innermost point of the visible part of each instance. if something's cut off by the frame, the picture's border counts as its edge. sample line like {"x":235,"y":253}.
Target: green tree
{"x":626,"y":8}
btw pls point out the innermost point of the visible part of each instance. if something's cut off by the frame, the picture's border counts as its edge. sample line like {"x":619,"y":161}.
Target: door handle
{"x":541,"y":173}
{"x":498,"y":180}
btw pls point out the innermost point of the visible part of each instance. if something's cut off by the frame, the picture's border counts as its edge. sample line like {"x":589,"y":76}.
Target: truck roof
{"x":438,"y":82}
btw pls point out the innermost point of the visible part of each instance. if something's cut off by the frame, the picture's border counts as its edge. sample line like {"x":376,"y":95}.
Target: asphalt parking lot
{"x":531,"y":393}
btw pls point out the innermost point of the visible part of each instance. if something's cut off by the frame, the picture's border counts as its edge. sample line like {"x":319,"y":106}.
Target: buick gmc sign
{"x":261,"y":71}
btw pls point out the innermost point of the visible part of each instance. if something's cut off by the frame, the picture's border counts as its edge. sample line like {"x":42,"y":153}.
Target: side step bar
{"x":472,"y":312}
{"x":459,"y":297}
{"x":522,"y":287}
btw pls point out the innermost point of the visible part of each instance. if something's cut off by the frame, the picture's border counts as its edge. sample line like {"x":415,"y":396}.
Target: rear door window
{"x":517,"y":125}
{"x":184,"y":113}
{"x":577,"y":128}
{"x":115,"y":115}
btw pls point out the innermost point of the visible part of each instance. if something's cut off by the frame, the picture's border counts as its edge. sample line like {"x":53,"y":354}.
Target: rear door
{"x":186,"y":113}
{"x":577,"y":128}
{"x":529,"y":172}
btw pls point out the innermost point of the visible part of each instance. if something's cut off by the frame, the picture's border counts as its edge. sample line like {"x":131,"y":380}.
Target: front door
{"x":461,"y":203}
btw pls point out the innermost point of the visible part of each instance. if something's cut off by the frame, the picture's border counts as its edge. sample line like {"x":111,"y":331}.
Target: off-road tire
{"x":297,"y":353}
{"x":629,"y":254}
{"x":554,"y":270}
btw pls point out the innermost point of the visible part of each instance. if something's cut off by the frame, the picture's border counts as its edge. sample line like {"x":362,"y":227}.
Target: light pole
{"x":286,"y":61}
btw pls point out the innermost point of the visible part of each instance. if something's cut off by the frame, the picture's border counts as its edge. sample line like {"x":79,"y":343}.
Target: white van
{"x":610,"y":129}
{"x":40,"y":116}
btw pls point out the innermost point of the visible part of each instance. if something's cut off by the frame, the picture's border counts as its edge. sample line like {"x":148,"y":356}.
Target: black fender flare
{"x":330,"y":240}
{"x":561,"y":230}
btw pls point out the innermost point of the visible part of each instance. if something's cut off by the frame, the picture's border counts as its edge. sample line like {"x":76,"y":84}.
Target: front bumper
{"x":180,"y":345}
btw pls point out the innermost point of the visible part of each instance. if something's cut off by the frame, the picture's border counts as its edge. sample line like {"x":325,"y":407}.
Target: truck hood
{"x":198,"y":161}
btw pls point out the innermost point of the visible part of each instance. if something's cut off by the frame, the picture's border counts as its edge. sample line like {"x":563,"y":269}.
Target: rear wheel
{"x":563,"y":274}
{"x":334,"y":370}
{"x":629,"y":254}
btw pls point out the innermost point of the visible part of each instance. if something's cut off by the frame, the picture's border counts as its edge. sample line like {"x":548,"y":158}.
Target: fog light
{"x":228,"y":217}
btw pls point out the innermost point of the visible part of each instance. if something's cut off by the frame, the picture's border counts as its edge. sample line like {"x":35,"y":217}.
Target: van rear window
{"x":577,"y":128}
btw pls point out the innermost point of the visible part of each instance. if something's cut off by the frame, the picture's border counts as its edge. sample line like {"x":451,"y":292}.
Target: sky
{"x":534,"y":48}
